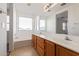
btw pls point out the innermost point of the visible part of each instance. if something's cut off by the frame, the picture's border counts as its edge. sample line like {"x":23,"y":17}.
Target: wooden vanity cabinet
{"x":49,"y":48}
{"x":45,"y":47}
{"x":34,"y":41}
{"x":61,"y":51}
{"x":40,"y":46}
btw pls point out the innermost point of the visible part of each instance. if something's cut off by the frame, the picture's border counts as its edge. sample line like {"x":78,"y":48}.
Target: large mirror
{"x":61,"y":23}
{"x":42,"y":23}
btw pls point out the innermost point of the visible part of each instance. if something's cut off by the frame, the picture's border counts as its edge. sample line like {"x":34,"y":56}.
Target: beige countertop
{"x":60,"y":39}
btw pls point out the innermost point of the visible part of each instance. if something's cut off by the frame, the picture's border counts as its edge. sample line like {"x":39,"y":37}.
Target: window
{"x":42,"y":24}
{"x":25,"y":23}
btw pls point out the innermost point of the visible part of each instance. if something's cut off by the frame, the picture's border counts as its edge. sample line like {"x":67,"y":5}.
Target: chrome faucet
{"x":67,"y":38}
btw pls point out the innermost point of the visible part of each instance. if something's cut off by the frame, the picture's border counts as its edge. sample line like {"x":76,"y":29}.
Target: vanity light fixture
{"x":63,"y":4}
{"x":28,"y":4}
{"x":48,"y":6}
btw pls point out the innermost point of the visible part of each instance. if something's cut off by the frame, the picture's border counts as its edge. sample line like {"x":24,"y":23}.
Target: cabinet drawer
{"x":40,"y":42}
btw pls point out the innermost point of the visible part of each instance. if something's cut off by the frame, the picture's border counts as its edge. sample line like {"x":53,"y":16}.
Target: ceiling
{"x":36,"y":9}
{"x":22,"y":9}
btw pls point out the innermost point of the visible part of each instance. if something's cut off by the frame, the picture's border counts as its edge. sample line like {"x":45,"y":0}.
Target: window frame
{"x":24,"y":29}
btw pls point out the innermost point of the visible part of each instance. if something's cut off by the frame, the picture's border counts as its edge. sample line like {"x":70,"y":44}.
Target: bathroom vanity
{"x":55,"y":45}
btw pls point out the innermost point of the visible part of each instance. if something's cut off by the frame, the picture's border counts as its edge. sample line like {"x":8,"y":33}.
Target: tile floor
{"x":24,"y":51}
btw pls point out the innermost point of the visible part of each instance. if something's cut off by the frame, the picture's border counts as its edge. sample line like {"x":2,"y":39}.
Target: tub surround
{"x":24,"y":43}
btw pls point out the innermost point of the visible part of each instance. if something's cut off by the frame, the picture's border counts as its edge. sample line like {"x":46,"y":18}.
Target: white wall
{"x":3,"y":38}
{"x":73,"y":20}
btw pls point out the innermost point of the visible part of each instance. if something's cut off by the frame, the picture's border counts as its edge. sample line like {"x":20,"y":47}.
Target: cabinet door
{"x":61,"y":51}
{"x":34,"y":41}
{"x":40,"y":42}
{"x":40,"y":51}
{"x":49,"y":48}
{"x":40,"y":46}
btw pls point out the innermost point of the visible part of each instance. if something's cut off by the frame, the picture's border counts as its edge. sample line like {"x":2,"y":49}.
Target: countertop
{"x":60,"y":40}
